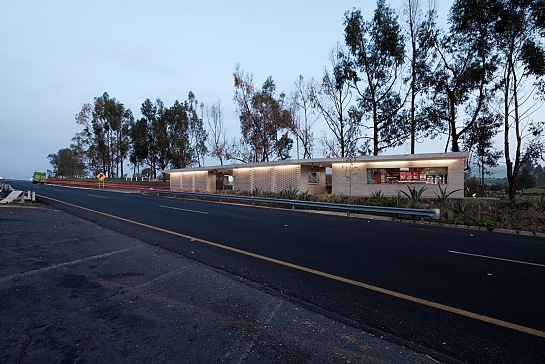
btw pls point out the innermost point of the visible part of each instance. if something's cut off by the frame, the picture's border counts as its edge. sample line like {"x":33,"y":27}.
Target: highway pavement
{"x":454,"y":295}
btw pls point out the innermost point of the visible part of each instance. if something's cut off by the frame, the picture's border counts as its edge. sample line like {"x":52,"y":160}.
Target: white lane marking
{"x":163,"y":277}
{"x":176,"y":208}
{"x":496,"y":258}
{"x":57,"y":190}
{"x":96,"y":196}
{"x":251,"y":344}
{"x":32,"y":272}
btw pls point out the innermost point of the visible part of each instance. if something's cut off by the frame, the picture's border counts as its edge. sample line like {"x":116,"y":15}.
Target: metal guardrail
{"x":5,"y":186}
{"x":422,"y":213}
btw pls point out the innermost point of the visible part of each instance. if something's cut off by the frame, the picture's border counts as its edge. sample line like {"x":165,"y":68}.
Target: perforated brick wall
{"x":287,"y":177}
{"x":242,"y":180}
{"x":262,"y":179}
{"x":176,"y":182}
{"x":200,"y":181}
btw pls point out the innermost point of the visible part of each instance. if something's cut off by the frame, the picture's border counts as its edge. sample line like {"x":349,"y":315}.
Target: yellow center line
{"x":403,"y":296}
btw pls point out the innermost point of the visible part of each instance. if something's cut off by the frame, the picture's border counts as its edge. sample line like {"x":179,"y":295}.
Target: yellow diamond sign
{"x":101,"y":176}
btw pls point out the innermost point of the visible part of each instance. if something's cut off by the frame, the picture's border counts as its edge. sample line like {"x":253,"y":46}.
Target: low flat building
{"x":361,"y":176}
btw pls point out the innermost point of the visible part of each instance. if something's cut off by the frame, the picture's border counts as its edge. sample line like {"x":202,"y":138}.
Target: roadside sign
{"x":101,"y":176}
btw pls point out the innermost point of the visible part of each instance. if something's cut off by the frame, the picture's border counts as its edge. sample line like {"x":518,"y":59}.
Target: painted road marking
{"x":96,"y":196}
{"x":177,"y":208}
{"x":439,"y":306}
{"x":496,"y":258}
{"x":32,"y":272}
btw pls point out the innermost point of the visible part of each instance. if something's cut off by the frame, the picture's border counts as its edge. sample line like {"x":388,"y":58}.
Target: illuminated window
{"x":431,"y":175}
{"x":313,"y":178}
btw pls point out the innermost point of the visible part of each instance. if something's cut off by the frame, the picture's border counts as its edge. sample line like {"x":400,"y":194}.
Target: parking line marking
{"x":496,"y":258}
{"x":177,"y":208}
{"x":36,"y":271}
{"x":439,"y":306}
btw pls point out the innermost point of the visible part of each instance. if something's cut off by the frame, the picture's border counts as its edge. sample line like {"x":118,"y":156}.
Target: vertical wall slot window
{"x":313,"y":178}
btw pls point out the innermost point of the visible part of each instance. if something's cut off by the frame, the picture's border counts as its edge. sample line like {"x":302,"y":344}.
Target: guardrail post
{"x":347,"y":213}
{"x":33,"y":196}
{"x":421,"y":219}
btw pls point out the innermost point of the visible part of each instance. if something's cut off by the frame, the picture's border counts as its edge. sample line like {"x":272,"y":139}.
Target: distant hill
{"x":498,"y":172}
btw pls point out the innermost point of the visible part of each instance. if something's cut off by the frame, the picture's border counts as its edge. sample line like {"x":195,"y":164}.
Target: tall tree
{"x":479,"y":141}
{"x":422,"y":36}
{"x":197,"y":132}
{"x":140,"y":148}
{"x":161,"y":136}
{"x":461,"y":84}
{"x":518,"y":33}
{"x":216,"y":130}
{"x":262,"y":114}
{"x":149,"y":114}
{"x":181,"y":152}
{"x":377,"y":53}
{"x":67,"y":163}
{"x":83,"y":141}
{"x":102,"y":134}
{"x":120,"y":120}
{"x":305,"y":115}
{"x":334,"y":101}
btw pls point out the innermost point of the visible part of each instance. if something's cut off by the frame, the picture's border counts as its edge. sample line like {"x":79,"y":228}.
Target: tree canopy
{"x":396,"y":78}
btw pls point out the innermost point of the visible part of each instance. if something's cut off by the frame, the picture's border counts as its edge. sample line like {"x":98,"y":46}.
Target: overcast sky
{"x":57,"y":55}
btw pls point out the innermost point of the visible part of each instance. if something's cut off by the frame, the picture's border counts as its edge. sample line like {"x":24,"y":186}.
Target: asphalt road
{"x":456,"y":295}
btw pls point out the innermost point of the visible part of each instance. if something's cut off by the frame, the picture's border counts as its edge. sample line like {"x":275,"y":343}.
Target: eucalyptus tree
{"x":161,"y":136}
{"x":421,"y":31}
{"x":181,"y":152}
{"x":334,"y":100}
{"x":216,"y":130}
{"x":461,"y":85}
{"x":479,"y":141}
{"x":377,"y":49}
{"x":149,"y":112}
{"x":101,"y":134}
{"x":83,"y":141}
{"x":67,"y":163}
{"x":519,"y":28}
{"x":197,"y":132}
{"x":140,"y":148}
{"x":263,"y":116}
{"x":305,"y":115}
{"x":119,"y":120}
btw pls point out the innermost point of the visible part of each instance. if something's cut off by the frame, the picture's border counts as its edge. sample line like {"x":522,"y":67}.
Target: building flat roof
{"x":328,"y":162}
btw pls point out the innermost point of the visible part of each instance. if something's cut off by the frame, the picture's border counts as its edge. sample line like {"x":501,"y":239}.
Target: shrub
{"x":305,"y":196}
{"x":288,"y":194}
{"x":414,"y":194}
{"x":443,"y":195}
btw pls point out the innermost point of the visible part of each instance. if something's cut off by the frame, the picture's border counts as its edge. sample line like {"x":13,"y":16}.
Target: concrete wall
{"x":353,"y":177}
{"x":319,"y":188}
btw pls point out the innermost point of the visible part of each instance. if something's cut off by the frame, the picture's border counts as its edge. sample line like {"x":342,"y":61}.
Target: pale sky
{"x":57,"y":55}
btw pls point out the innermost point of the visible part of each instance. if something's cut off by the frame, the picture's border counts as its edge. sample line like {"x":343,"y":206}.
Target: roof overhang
{"x":327,"y":162}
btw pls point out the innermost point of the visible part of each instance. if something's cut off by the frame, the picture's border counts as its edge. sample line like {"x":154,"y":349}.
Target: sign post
{"x":101,"y":176}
